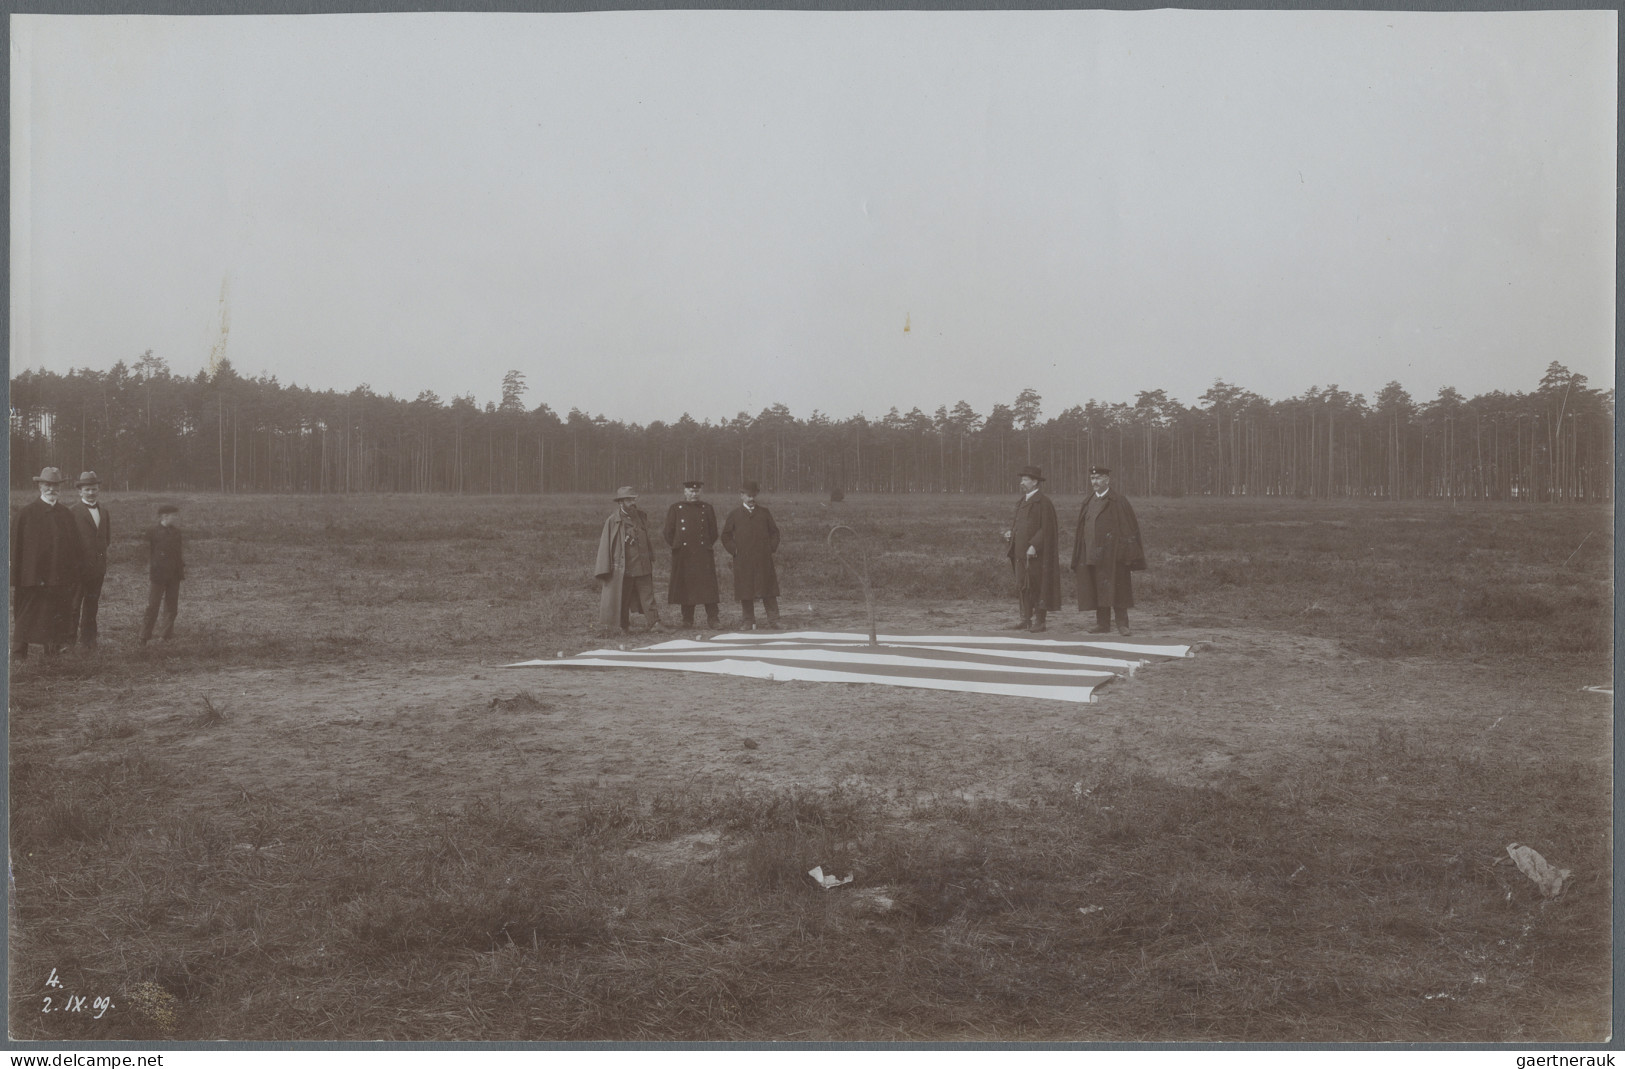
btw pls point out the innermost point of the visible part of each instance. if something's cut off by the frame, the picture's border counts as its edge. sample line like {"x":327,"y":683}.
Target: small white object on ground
{"x":1550,"y":880}
{"x":1090,"y":909}
{"x":826,"y":882}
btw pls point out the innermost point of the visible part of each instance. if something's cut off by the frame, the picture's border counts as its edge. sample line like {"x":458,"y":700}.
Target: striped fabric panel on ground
{"x":977,"y":664}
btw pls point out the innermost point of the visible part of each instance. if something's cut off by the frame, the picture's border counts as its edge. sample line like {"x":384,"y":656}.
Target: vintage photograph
{"x":812,"y":527}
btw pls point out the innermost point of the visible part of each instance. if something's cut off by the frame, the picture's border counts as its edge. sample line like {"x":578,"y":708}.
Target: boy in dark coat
{"x":45,"y":569}
{"x":95,"y":529}
{"x":751,"y":538}
{"x":1035,"y":555}
{"x":691,"y":531}
{"x":165,"y":571}
{"x":1106,"y":549}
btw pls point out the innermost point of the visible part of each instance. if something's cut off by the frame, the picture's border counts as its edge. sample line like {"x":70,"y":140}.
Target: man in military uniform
{"x":45,"y":569}
{"x":751,"y":538}
{"x":1106,"y":549}
{"x":691,"y":531}
{"x":625,"y":566}
{"x":1035,"y":556}
{"x":95,"y":530}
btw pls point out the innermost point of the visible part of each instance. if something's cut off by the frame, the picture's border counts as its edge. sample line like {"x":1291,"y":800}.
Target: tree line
{"x":143,"y":427}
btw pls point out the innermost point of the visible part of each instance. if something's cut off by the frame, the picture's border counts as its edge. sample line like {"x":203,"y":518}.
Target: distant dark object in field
{"x":837,"y":494}
{"x":750,"y":744}
{"x":523,"y":700}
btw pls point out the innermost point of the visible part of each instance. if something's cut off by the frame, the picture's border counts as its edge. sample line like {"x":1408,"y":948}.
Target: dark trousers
{"x":1103,"y":617}
{"x":712,"y":617}
{"x":86,"y":599}
{"x":638,"y":590}
{"x":167,"y":592}
{"x":747,"y":610}
{"x":1030,"y":599}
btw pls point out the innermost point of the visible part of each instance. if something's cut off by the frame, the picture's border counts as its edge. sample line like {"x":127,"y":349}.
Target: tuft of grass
{"x":520,"y":702}
{"x":209,"y":716}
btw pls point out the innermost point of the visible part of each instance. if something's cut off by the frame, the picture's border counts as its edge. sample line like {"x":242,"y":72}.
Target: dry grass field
{"x":324,"y":812}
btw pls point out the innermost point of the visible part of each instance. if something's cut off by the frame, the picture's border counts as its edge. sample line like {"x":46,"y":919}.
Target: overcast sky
{"x":652,"y":213}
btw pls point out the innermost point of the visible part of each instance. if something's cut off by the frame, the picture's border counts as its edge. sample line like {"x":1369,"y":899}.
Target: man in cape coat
{"x":751,"y":537}
{"x":45,"y":569}
{"x":1035,"y":555}
{"x":691,"y":531}
{"x":625,"y":566}
{"x":1105,"y":551}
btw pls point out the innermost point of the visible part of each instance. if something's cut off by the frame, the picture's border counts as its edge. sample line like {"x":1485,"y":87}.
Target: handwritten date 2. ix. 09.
{"x":74,"y":1003}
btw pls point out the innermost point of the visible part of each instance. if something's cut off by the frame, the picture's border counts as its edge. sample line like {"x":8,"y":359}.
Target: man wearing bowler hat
{"x":1035,"y":555}
{"x":751,"y":538}
{"x":625,"y":566}
{"x":95,"y":529}
{"x":45,"y":569}
{"x":691,"y":531}
{"x":1105,"y":550}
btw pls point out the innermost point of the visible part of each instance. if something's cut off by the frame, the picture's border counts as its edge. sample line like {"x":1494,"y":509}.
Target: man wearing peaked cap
{"x":625,"y":566}
{"x":691,"y":531}
{"x":1035,"y":555}
{"x":95,"y":529}
{"x":166,"y":567}
{"x":45,"y":569}
{"x":751,"y":538}
{"x":1105,"y":551}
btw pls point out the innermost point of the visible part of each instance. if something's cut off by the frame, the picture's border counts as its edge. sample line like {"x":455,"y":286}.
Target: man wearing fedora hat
{"x":751,"y":538}
{"x":95,"y":529}
{"x":1105,"y":551}
{"x":1035,"y":555}
{"x":691,"y":531}
{"x":625,"y":566}
{"x":45,"y":569}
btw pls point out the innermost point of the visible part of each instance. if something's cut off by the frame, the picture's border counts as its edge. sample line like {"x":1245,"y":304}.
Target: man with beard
{"x":45,"y":569}
{"x":625,"y":566}
{"x":1035,"y":555}
{"x":1106,"y":549}
{"x":691,"y":531}
{"x":95,"y":529}
{"x":751,"y":537}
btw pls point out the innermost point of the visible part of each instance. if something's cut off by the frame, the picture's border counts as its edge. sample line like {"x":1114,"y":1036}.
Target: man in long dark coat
{"x":751,"y":537}
{"x":45,"y":569}
{"x":1106,"y":549}
{"x":1035,"y":553}
{"x":691,"y":531}
{"x":95,"y":530}
{"x":625,"y":566}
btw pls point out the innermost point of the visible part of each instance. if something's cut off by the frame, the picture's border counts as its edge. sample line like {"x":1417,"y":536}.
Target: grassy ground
{"x":320,"y":814}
